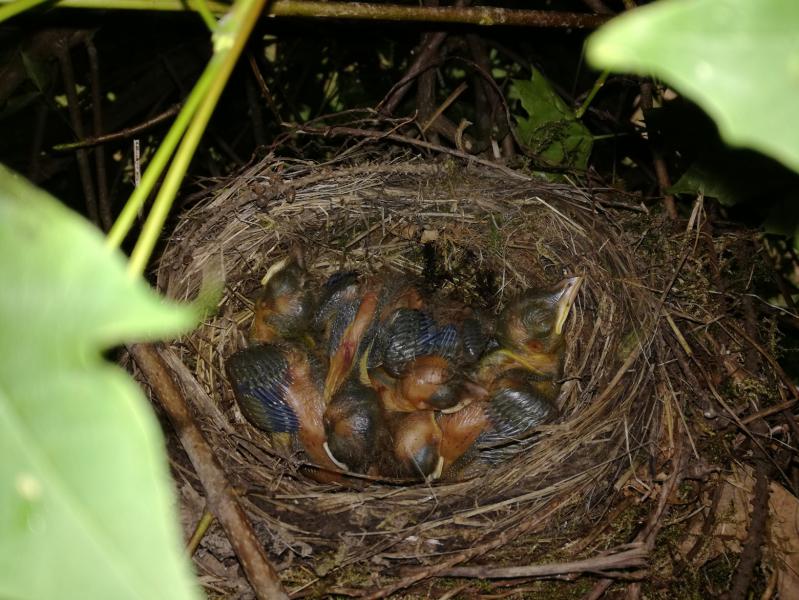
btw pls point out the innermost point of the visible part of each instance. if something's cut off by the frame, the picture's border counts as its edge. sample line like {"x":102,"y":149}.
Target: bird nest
{"x":640,"y":359}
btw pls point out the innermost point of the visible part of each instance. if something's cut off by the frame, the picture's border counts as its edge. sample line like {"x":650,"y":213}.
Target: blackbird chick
{"x":411,"y":446}
{"x":530,"y":329}
{"x":496,"y":426}
{"x":278,"y":388}
{"x":353,"y":421}
{"x":516,"y":385}
{"x":349,"y":314}
{"x":284,"y":307}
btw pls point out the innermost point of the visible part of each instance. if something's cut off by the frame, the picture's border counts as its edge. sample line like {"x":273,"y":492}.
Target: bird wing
{"x":260,"y":379}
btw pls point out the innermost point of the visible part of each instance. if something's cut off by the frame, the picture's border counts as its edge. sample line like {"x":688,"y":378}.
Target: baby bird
{"x":284,"y":307}
{"x":516,"y":385}
{"x":343,"y":317}
{"x":348,"y":315}
{"x":490,"y":431}
{"x":411,"y":447}
{"x":278,"y":388}
{"x":530,"y":331}
{"x":353,"y":422}
{"x":427,"y":383}
{"x":409,"y":362}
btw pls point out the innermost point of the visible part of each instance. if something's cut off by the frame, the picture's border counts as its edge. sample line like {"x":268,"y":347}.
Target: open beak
{"x":363,"y":366}
{"x":569,"y":289}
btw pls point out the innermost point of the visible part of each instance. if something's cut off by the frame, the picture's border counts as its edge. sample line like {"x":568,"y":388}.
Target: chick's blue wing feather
{"x":446,"y":342}
{"x":515,"y":411}
{"x":260,"y":378}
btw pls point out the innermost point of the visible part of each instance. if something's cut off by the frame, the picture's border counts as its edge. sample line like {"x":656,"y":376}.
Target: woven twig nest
{"x":492,"y":233}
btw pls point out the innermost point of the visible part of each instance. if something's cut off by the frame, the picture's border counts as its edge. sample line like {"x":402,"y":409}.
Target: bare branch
{"x":222,"y":501}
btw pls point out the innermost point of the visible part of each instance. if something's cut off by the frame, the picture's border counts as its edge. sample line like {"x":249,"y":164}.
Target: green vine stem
{"x":229,"y":39}
{"x":594,"y":91}
{"x":16,"y":7}
{"x":201,"y":6}
{"x":157,"y":165}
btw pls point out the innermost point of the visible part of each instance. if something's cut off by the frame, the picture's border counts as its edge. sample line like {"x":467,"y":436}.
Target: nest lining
{"x":484,"y":225}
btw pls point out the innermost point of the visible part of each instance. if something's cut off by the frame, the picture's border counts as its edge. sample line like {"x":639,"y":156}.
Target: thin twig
{"x":664,"y":182}
{"x":104,"y":206}
{"x":270,"y":101}
{"x":378,"y":135}
{"x":122,"y":133}
{"x":484,"y":16}
{"x":221,"y":499}
{"x":486,"y":103}
{"x":434,"y":570}
{"x":631,"y":556}
{"x":70,"y":88}
{"x":707,"y":525}
{"x":767,"y":412}
{"x":199,"y":532}
{"x":751,"y":550}
{"x":445,"y":105}
{"x":477,"y":15}
{"x":426,"y":87}
{"x":424,"y":58}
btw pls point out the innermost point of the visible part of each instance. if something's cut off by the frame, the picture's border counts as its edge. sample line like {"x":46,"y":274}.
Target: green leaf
{"x":738,"y":59}
{"x":550,"y":129}
{"x":86,"y":509}
{"x":698,"y":179}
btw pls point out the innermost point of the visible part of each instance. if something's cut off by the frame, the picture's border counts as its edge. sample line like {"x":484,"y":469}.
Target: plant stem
{"x":201,"y":6}
{"x":594,"y":91}
{"x":199,"y":532}
{"x":475,"y":15}
{"x":158,"y":163}
{"x":229,"y":40}
{"x":16,"y":7}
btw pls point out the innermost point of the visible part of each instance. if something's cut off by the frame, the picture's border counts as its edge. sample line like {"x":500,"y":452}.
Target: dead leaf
{"x":732,"y":525}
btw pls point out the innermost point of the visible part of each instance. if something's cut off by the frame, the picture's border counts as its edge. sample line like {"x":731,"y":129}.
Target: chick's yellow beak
{"x":570,"y":287}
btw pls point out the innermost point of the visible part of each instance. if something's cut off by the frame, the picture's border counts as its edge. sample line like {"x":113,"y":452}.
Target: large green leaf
{"x":550,"y":129}
{"x":85,"y":504}
{"x":738,"y":59}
